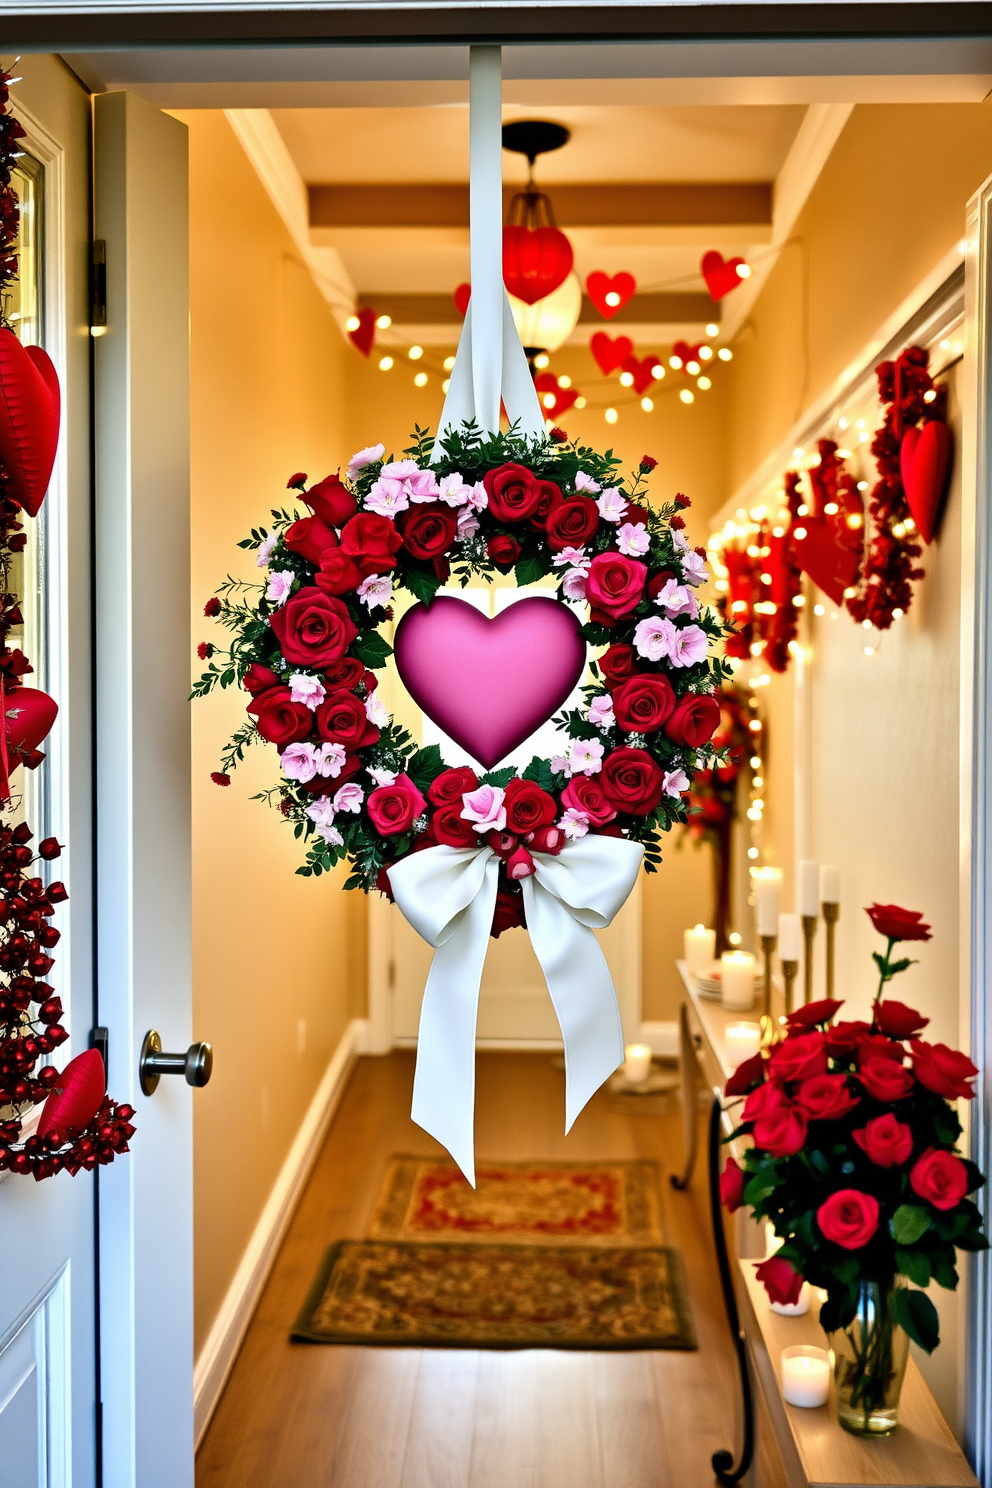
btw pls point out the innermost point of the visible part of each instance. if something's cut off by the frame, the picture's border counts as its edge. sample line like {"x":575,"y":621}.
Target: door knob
{"x":196,"y":1064}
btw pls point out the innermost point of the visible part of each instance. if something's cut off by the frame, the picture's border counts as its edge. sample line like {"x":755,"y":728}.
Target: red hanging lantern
{"x":537,"y":256}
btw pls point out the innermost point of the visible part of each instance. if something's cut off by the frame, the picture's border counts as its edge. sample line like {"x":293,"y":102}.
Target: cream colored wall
{"x":278,"y":959}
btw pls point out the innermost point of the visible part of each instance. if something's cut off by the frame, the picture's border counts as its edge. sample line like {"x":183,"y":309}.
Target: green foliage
{"x":372,"y":650}
{"x":501,"y":778}
{"x":909,"y":1222}
{"x":421,"y":584}
{"x":917,"y":1315}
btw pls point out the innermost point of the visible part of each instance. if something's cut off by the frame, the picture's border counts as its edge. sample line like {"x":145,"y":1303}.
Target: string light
{"x":712,"y":329}
{"x":384,"y":322}
{"x":611,"y":416}
{"x":743,"y":271}
{"x":449,"y":362}
{"x":675,"y":362}
{"x":657,"y":371}
{"x":704,"y":384}
{"x":626,"y":379}
{"x":580,"y":402}
{"x":352,"y":323}
{"x":420,"y":380}
{"x":648,"y":405}
{"x":446,"y":384}
{"x":415,"y":353}
{"x":542,"y":360}
{"x":385,"y":363}
{"x":705,"y":353}
{"x":564,"y":382}
{"x":693,"y":368}
{"x":930,"y":395}
{"x":725,"y":354}
{"x":686,"y":396}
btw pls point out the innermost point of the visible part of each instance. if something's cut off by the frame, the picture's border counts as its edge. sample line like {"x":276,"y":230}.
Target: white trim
{"x":216,"y":1359}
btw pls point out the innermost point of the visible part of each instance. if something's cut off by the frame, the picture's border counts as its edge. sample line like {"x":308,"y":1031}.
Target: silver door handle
{"x":196,"y":1064}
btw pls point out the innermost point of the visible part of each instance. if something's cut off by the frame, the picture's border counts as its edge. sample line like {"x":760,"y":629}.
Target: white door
{"x":49,"y":1389}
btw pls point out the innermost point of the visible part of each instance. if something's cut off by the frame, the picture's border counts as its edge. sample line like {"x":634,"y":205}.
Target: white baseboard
{"x":220,"y":1350}
{"x":661,"y":1038}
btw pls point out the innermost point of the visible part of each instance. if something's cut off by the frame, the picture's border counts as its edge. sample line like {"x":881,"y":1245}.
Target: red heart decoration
{"x":924,"y":463}
{"x":640,"y":371}
{"x":461,"y":297}
{"x":78,"y":1096}
{"x":30,"y":410}
{"x":720,"y":274}
{"x":599,"y":285}
{"x":547,"y":387}
{"x":610,"y":352}
{"x":686,"y":352}
{"x":828,"y":553}
{"x":29,"y":716}
{"x":536,"y":260}
{"x":363,"y":336}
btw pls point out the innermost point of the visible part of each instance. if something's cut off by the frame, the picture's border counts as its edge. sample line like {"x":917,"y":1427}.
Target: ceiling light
{"x":548,"y":323}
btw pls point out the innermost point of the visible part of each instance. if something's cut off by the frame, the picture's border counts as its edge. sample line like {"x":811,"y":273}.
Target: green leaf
{"x":499,"y":777}
{"x":909,"y":1222}
{"x":917,"y":1315}
{"x":425,"y":766}
{"x":422,"y":585}
{"x":531,"y":568}
{"x":944,"y":1272}
{"x":839,"y":1308}
{"x":372,"y":650}
{"x":915,"y":1265}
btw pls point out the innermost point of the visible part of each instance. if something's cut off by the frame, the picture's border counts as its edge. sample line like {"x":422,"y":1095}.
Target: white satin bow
{"x":448,"y":894}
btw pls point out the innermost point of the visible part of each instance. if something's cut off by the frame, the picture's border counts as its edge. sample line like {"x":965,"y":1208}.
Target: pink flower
{"x":280,"y":585}
{"x":690,"y":645}
{"x":367,"y":456}
{"x":453,"y":490}
{"x":299,"y":762}
{"x":422,"y":486}
{"x":376,"y":711}
{"x":349,"y":797}
{"x":574,"y":823}
{"x":265,"y":551}
{"x":571,"y":558}
{"x":306,"y":689}
{"x":377,"y":589}
{"x":478,"y":497}
{"x":694,"y":568}
{"x":559,"y":764}
{"x":675,"y":782}
{"x":654,"y":637}
{"x":400,"y":469}
{"x":612,"y":505}
{"x":468,"y":523}
{"x":675,"y":599}
{"x":585,"y":757}
{"x":484,"y":808}
{"x":575,"y":583}
{"x":387,"y":497}
{"x":633,"y":540}
{"x":321,"y":813}
{"x":329,"y":760}
{"x":383,"y":777}
{"x":601,"y":711}
{"x":585,"y":482}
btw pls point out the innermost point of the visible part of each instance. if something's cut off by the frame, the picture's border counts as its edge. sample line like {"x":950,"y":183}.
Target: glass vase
{"x":870,"y":1362}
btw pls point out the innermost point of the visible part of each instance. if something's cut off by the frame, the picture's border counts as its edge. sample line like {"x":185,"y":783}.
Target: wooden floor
{"x":315,"y":1415}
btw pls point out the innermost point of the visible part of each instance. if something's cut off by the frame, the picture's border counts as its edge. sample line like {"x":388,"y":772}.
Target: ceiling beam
{"x":654,"y":309}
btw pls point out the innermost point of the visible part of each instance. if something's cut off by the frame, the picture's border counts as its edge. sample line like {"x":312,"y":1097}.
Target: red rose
{"x":49,"y":848}
{"x":849,"y":1218}
{"x":572,"y":523}
{"x":451,"y":785}
{"x":781,"y":1280}
{"x":642,"y":704}
{"x":451,"y":828}
{"x":815,"y":1012}
{"x":429,"y":530}
{"x":618,"y":663}
{"x":258,"y":678}
{"x":348,"y":672}
{"x":296,"y":482}
{"x":945,"y":1071}
{"x":885,"y":1080}
{"x":514,"y":493}
{"x":826,"y":1097}
{"x":341,"y":719}
{"x":843,"y":1038}
{"x":219,"y":778}
{"x":527,"y":807}
{"x":212,"y":608}
{"x":658,"y":581}
{"x":887,"y":1142}
{"x":898,"y":1020}
{"x":799,"y":1057}
{"x":695,"y":720}
{"x":781,"y":1129}
{"x":372,"y":541}
{"x":309,"y":537}
{"x":547,"y":840}
{"x":549,"y":498}
{"x":648,"y":462}
{"x":636,"y":514}
{"x":898,"y":924}
{"x":520,"y":865}
{"x":615,"y":586}
{"x":508,"y":914}
{"x":278,"y":719}
{"x":394,"y":808}
{"x":503,"y":550}
{"x":766,"y":1097}
{"x":877,"y":1046}
{"x":331,"y":501}
{"x":338,"y":573}
{"x":746,"y":1075}
{"x":940,"y":1178}
{"x":731,"y":1186}
{"x":585,"y":793}
{"x":632,"y":781}
{"x":313,"y":630}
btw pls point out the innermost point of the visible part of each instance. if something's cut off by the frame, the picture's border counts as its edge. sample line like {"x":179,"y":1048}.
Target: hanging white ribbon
{"x":490,"y":361}
{"x":448,"y":894}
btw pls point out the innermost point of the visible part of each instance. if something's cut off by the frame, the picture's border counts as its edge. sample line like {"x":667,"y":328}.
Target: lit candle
{"x":767,"y":886}
{"x":737,"y":979}
{"x":637,"y":1063}
{"x":743,"y":1040}
{"x":809,"y":888}
{"x":700,"y":947}
{"x":790,"y":937}
{"x":805,"y":1375}
{"x":829,"y":884}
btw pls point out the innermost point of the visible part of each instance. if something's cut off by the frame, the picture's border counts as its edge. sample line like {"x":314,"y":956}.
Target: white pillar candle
{"x":637,"y":1063}
{"x":829,"y":884}
{"x":805,"y":1375}
{"x":767,"y":886}
{"x":790,"y":937}
{"x":742,"y":1040}
{"x":808,"y":888}
{"x":737,"y":979}
{"x":700,"y":947}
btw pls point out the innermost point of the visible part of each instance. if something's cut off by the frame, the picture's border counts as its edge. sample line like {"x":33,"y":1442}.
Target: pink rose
{"x":614,"y":586}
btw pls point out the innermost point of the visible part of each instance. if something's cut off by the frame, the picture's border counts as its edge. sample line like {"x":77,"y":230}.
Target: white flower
{"x":585,"y":482}
{"x":321,"y":813}
{"x":571,"y":558}
{"x":280,"y":584}
{"x":349,"y":797}
{"x":679,"y":539}
{"x":307,"y":689}
{"x":601,"y":711}
{"x":690,"y":645}
{"x":331,"y":836}
{"x":383,"y":777}
{"x":484,"y":808}
{"x":387,"y":497}
{"x":676,"y":599}
{"x":376,"y":711}
{"x":574,"y":584}
{"x":367,"y":456}
{"x":654,"y":637}
{"x":468,"y":524}
{"x":675,"y":782}
{"x":694,"y":568}
{"x":377,"y":589}
{"x":574,"y":823}
{"x":454,"y":491}
{"x":400,"y":469}
{"x":265,"y":551}
{"x":585,"y":757}
{"x":299,"y":762}
{"x":329,"y":760}
{"x":633,"y":540}
{"x":612,"y":505}
{"x":559,"y":764}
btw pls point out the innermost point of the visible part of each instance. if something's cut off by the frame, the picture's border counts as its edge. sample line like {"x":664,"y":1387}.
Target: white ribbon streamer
{"x":448,"y":894}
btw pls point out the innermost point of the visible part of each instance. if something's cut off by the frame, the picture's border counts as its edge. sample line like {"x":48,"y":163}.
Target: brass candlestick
{"x":810,"y":923}
{"x":831,"y":914}
{"x":768,"y":943}
{"x":789,"y":970}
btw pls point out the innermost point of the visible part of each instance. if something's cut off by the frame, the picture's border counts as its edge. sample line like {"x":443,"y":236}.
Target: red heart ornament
{"x":363,"y":336}
{"x":536,"y":260}
{"x":489,"y":683}
{"x":554,"y":399}
{"x":924,"y":463}
{"x":599,"y":285}
{"x":610,"y":352}
{"x":720,"y":274}
{"x":685,"y":352}
{"x":30,"y":410}
{"x":829,"y":553}
{"x":640,"y":371}
{"x":461,"y":297}
{"x":78,"y":1096}
{"x":29,"y":716}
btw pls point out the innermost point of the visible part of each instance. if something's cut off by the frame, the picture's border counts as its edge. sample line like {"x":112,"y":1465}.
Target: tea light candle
{"x":700,"y":947}
{"x":767,"y":886}
{"x":829,"y":884}
{"x":737,"y":979}
{"x":808,"y":888}
{"x":790,"y":937}
{"x":805,"y":1375}
{"x":743,"y":1040}
{"x":637,"y":1063}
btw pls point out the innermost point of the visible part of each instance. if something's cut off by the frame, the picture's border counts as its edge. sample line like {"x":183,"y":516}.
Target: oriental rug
{"x":497,"y":1296}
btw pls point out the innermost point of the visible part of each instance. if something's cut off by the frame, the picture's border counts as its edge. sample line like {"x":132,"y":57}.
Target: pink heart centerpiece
{"x":489,"y":683}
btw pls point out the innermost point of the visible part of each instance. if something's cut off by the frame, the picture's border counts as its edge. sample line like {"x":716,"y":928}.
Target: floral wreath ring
{"x":307,"y":642}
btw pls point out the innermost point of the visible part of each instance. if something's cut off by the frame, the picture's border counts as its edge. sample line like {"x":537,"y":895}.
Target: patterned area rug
{"x":498,"y":1296}
{"x":587,"y":1204}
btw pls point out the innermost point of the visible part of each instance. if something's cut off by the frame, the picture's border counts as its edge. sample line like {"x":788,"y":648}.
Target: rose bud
{"x":503,"y":844}
{"x":520,"y":864}
{"x":547,"y":840}
{"x":57,"y":892}
{"x":49,"y":848}
{"x":22,"y":834}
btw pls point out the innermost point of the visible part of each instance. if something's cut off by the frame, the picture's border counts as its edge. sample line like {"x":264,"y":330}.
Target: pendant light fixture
{"x":545,"y":294}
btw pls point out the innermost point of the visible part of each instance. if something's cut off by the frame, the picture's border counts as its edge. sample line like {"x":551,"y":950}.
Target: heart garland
{"x":30,"y":409}
{"x":609,"y":352}
{"x":924,"y":465}
{"x":721,"y":274}
{"x":362,"y":336}
{"x":555,"y":400}
{"x":642,"y":372}
{"x":829,"y":540}
{"x":536,"y":261}
{"x":609,"y":295}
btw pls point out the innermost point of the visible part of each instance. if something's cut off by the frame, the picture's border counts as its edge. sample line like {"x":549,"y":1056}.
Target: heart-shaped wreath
{"x":307,"y":640}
